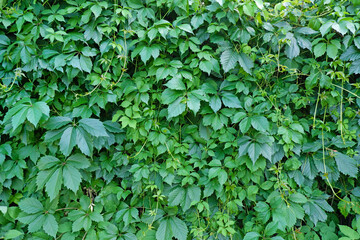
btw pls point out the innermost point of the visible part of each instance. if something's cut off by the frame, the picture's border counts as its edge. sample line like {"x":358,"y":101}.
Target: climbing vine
{"x":177,"y":119}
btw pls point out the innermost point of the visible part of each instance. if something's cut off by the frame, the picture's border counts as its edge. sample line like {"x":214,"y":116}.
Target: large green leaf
{"x":230,"y":100}
{"x":178,"y":227}
{"x":94,"y":127}
{"x":31,"y":205}
{"x":260,"y":123}
{"x":72,"y":177}
{"x":53,"y":186}
{"x":245,"y":62}
{"x":228,"y":59}
{"x":176,"y":108}
{"x":50,"y":225}
{"x":346,"y":164}
{"x":68,"y":140}
{"x":176,"y":196}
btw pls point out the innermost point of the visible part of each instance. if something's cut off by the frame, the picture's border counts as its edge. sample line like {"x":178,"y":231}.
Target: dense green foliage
{"x":177,"y":119}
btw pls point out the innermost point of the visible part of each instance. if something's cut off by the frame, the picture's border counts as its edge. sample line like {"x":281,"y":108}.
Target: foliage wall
{"x":177,"y":119}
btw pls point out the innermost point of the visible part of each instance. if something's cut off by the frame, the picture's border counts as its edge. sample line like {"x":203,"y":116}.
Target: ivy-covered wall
{"x":179,"y":119}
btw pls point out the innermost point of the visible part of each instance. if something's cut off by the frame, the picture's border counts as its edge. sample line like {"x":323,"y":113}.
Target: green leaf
{"x":68,"y":141}
{"x":176,"y":196}
{"x":215,"y":103}
{"x":298,"y":198}
{"x":85,"y":63}
{"x":222,"y":176}
{"x":178,"y":228}
{"x":260,"y":123}
{"x":245,"y":62}
{"x":193,"y":103}
{"x":78,"y":224}
{"x":31,"y":205}
{"x":47,"y":162}
{"x":351,"y":54}
{"x":57,"y":122}
{"x":351,"y":233}
{"x":176,"y":108}
{"x":214,"y":172}
{"x":292,"y":50}
{"x":230,"y":100}
{"x":84,"y":142}
{"x":13,"y":233}
{"x":325,"y":28}
{"x":186,"y":28}
{"x":50,"y":225}
{"x":332,"y":51}
{"x":94,"y":127}
{"x":228,"y":59}
{"x":35,"y":112}
{"x":315,"y":212}
{"x":193,"y":195}
{"x":355,"y":67}
{"x":252,"y":236}
{"x":254,"y":151}
{"x":78,"y":161}
{"x":346,"y":164}
{"x":319,"y":49}
{"x":37,"y":223}
{"x":145,"y":54}
{"x":164,"y":231}
{"x":168,"y":96}
{"x":206,"y":66}
{"x":176,"y":83}
{"x":248,"y":9}
{"x":53,"y":186}
{"x":72,"y":177}
{"x":19,"y":118}
{"x":96,"y":9}
{"x":245,"y":125}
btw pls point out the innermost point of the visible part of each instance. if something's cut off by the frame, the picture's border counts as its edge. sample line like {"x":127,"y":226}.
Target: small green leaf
{"x":84,"y":142}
